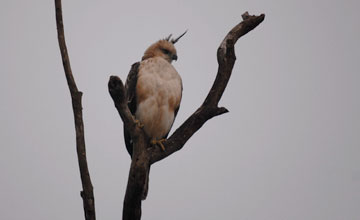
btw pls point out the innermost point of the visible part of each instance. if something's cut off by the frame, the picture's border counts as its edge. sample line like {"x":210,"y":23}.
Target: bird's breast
{"x":159,"y":90}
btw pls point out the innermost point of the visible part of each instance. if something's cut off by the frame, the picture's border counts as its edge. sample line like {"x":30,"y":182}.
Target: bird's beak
{"x":174,"y":57}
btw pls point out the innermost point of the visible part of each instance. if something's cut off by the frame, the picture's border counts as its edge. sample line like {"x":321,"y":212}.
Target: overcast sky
{"x":288,"y":149}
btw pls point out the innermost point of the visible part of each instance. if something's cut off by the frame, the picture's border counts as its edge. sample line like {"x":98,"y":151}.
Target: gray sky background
{"x":288,"y":149}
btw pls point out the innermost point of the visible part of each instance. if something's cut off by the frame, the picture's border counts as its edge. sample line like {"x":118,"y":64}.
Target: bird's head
{"x":163,"y":48}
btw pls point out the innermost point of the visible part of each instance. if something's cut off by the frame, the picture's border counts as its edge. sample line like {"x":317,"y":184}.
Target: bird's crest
{"x":163,"y":48}
{"x":173,"y":41}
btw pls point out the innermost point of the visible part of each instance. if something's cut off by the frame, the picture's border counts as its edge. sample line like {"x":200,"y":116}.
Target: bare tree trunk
{"x":87,"y":192}
{"x":144,"y":156}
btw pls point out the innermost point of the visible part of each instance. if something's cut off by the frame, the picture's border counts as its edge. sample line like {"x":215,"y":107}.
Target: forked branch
{"x":143,"y":156}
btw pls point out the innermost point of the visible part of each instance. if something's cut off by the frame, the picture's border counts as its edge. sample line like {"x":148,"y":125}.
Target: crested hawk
{"x":153,"y":91}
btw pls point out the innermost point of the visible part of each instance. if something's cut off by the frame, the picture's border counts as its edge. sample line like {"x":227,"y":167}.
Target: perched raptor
{"x":154,"y":90}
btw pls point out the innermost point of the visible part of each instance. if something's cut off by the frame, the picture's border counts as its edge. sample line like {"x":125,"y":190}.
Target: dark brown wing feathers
{"x":130,"y":88}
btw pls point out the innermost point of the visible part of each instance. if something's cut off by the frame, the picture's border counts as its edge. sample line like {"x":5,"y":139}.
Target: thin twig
{"x":87,"y":192}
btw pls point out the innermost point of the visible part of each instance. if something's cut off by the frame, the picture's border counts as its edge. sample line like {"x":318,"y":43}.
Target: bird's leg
{"x":159,"y":142}
{"x":138,"y":123}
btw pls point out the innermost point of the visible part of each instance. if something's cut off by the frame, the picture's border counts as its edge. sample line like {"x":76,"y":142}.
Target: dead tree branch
{"x":87,"y":192}
{"x":144,"y":156}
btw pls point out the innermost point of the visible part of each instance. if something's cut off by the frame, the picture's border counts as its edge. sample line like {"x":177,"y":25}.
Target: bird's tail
{"x":146,"y":186}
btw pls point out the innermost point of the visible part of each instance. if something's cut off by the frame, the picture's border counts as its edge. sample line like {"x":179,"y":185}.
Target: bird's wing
{"x":130,"y":89}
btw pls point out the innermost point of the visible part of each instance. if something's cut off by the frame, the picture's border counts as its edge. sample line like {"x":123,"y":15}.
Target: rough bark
{"x":144,"y":156}
{"x":87,"y":192}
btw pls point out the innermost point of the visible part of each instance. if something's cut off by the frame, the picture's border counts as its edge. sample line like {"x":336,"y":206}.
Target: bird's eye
{"x":165,"y":51}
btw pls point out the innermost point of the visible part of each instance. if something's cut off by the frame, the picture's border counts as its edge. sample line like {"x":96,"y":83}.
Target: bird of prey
{"x":153,"y":91}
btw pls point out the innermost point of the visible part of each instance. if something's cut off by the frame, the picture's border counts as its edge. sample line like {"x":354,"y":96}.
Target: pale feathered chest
{"x":159,"y":91}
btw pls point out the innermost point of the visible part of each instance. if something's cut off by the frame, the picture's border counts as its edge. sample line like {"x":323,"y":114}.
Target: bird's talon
{"x":138,"y":123}
{"x":159,"y":143}
{"x":162,"y":146}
